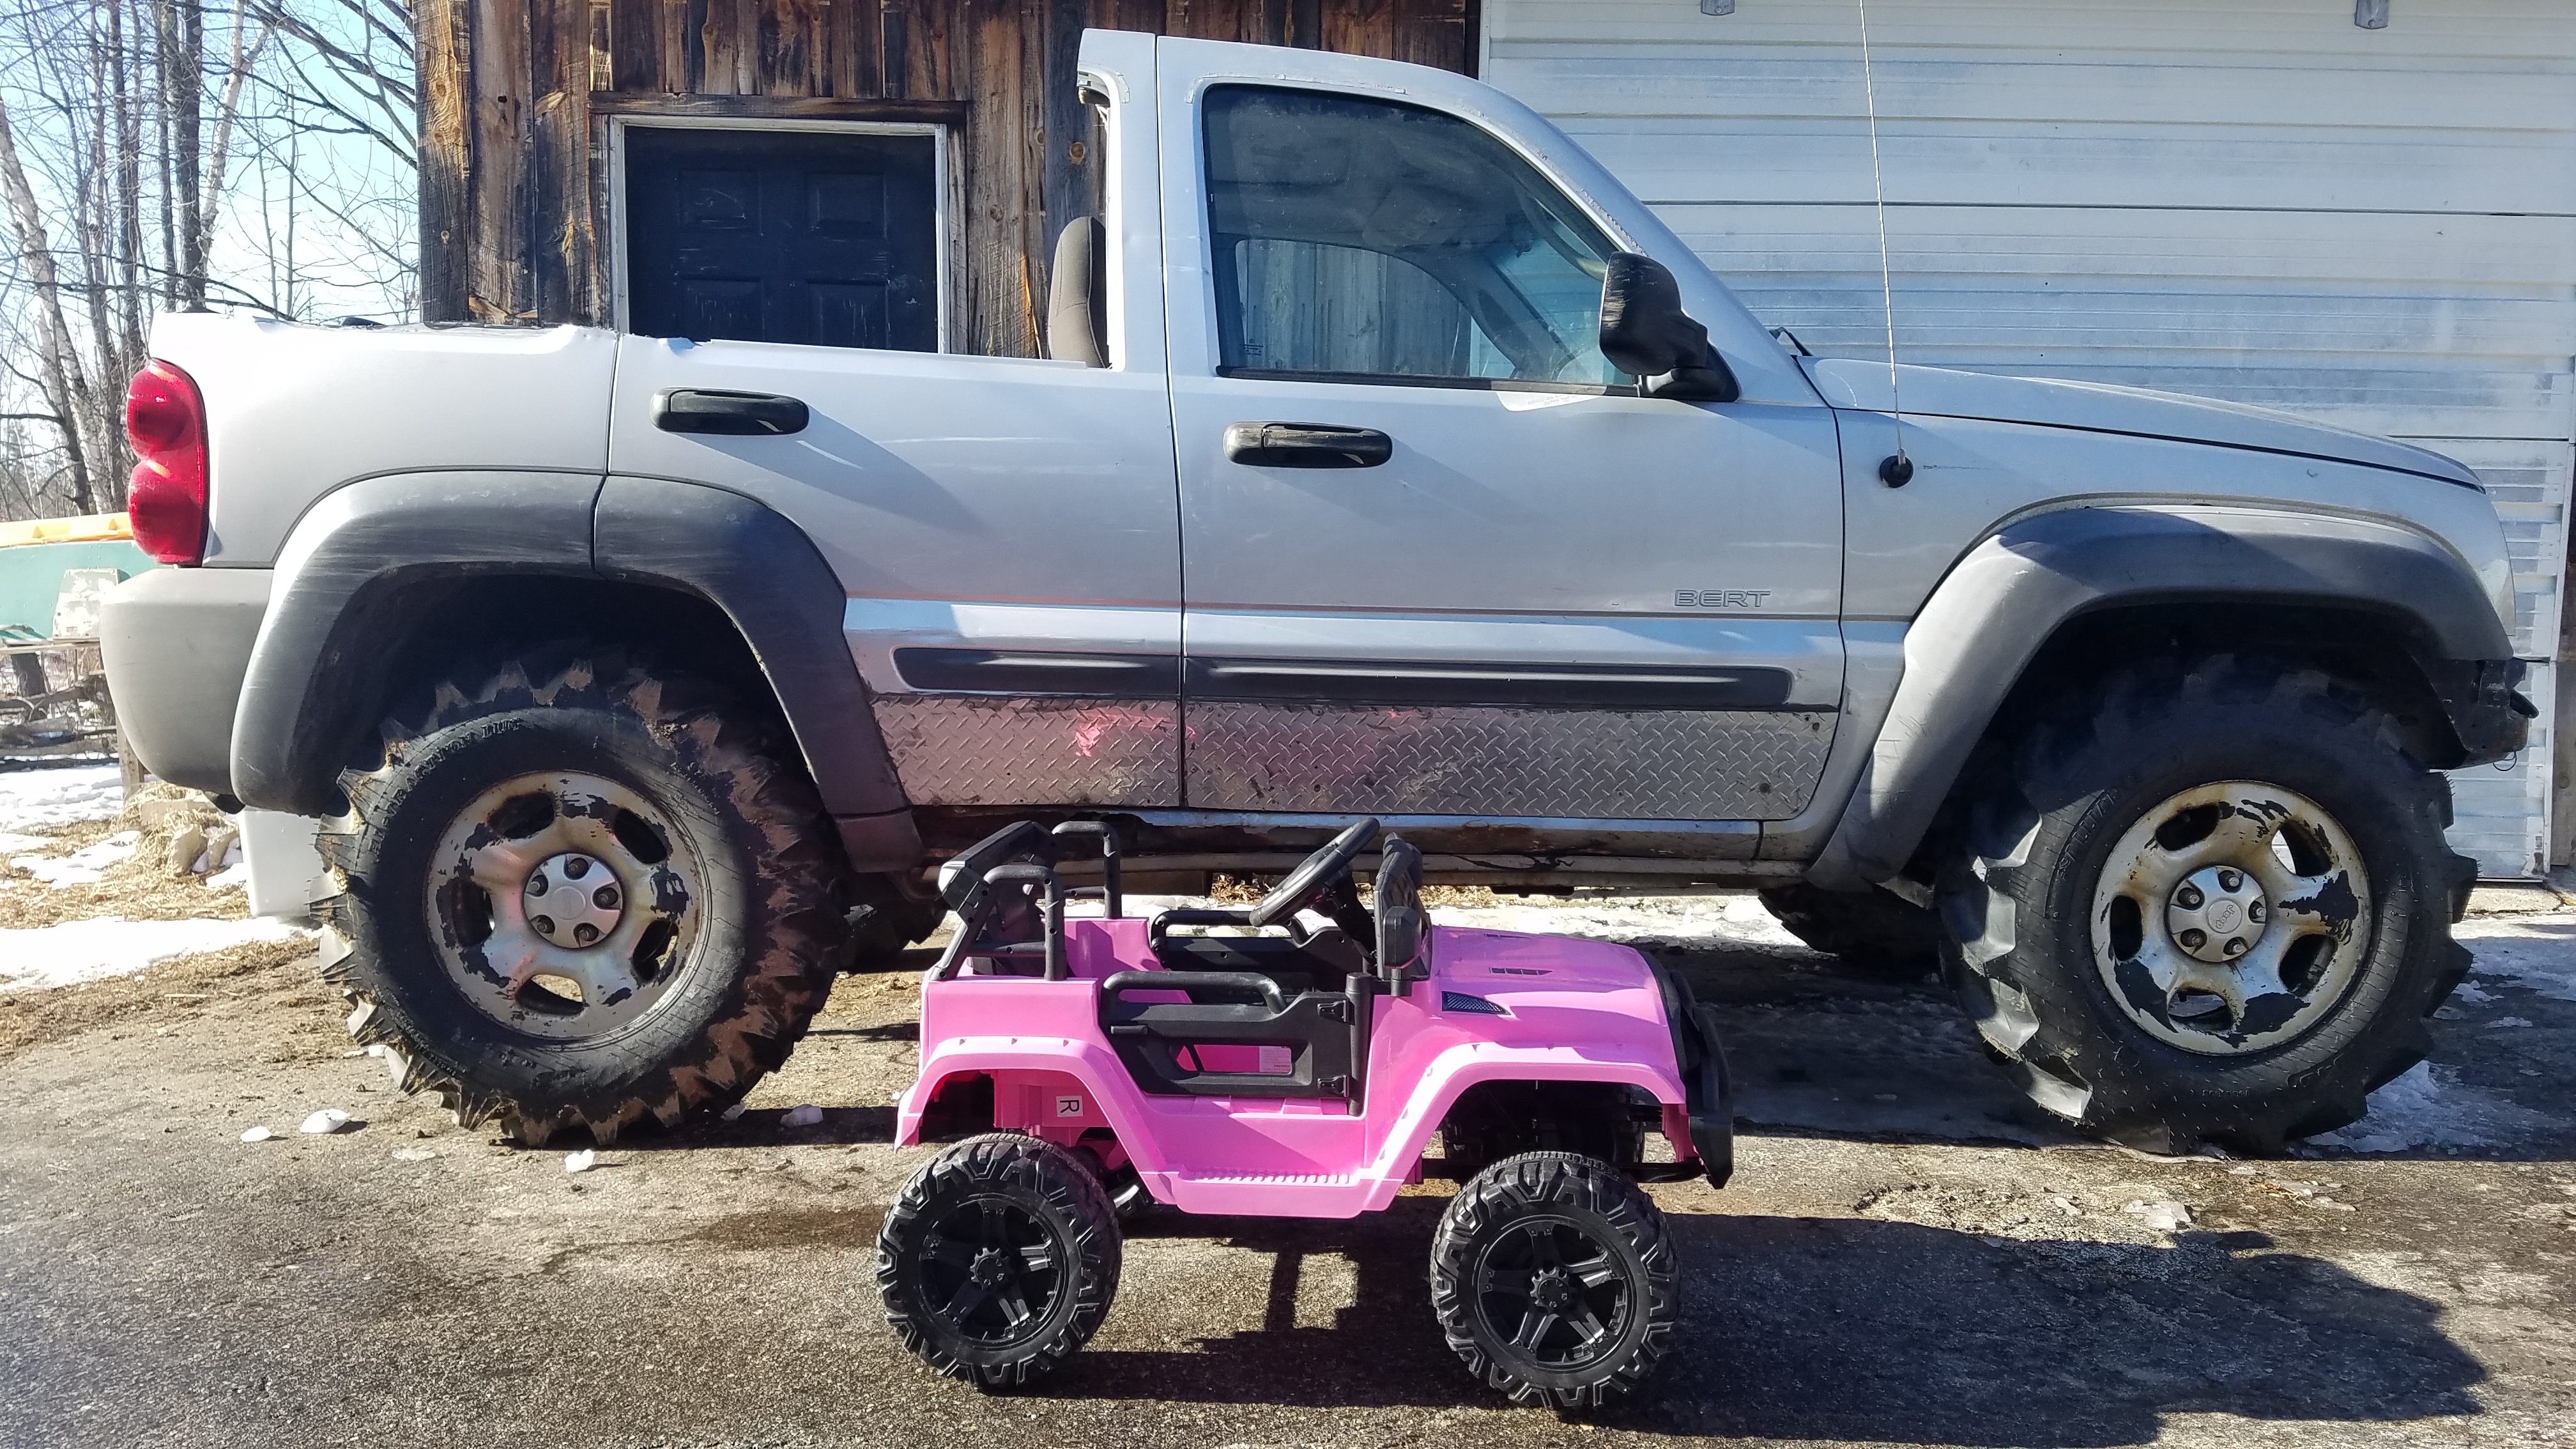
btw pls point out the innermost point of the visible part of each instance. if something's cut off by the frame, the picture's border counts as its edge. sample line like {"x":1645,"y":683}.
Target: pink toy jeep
{"x":1298,"y":1074}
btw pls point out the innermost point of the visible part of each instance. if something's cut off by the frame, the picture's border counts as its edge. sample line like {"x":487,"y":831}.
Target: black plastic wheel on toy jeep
{"x":1872,"y":930}
{"x":2207,"y":904}
{"x":583,"y":891}
{"x":998,"y":1259}
{"x":1553,"y":1280}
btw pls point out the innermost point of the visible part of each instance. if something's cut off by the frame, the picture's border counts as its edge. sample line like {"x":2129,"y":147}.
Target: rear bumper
{"x":177,"y":644}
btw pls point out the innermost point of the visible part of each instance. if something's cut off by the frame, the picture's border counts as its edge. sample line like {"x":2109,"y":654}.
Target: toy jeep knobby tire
{"x":2207,"y":903}
{"x":1553,"y":1280}
{"x":588,"y":892}
{"x":1872,"y":930}
{"x":999,"y":1259}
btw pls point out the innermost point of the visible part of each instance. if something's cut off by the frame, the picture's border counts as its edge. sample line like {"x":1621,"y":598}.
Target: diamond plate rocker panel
{"x":1479,"y":760}
{"x":979,"y":750}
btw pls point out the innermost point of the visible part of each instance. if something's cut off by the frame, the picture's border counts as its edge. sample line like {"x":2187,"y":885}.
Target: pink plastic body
{"x":1571,"y":1010}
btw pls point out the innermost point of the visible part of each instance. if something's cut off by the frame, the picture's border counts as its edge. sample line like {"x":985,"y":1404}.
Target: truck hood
{"x":2101,"y":408}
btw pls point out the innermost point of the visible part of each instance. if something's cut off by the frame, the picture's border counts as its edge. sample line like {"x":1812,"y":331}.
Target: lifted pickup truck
{"x":1390,"y":459}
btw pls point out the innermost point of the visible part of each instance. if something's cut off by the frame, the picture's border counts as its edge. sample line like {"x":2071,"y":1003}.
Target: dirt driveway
{"x":1907,"y":1257}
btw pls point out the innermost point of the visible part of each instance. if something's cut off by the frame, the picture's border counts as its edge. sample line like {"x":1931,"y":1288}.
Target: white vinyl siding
{"x":2253,"y":201}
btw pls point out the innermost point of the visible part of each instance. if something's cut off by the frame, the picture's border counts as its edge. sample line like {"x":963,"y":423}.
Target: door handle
{"x":727,"y":414}
{"x":1306,"y":445}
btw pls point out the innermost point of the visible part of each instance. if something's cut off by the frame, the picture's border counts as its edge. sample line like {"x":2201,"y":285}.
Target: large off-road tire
{"x":2207,"y":904}
{"x":998,"y":1259}
{"x":1554,"y":1281}
{"x":583,"y":890}
{"x":1872,"y":930}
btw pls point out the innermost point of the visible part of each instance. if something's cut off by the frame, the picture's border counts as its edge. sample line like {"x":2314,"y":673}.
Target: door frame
{"x":948,"y":204}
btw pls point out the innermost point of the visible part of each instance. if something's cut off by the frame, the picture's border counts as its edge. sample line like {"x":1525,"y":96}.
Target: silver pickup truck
{"x":1389,"y":458}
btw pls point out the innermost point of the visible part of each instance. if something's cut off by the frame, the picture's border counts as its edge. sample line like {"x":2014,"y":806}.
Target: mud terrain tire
{"x":1027,"y":1215}
{"x":1553,"y":1213}
{"x":746,"y":895}
{"x":2273,"y":753}
{"x":1873,"y":931}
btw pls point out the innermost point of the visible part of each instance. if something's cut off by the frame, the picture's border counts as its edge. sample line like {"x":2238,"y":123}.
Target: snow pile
{"x":93,"y":950}
{"x":86,"y":866}
{"x":1735,"y":918}
{"x":2428,"y":1108}
{"x":41,"y":799}
{"x":2537,"y":953}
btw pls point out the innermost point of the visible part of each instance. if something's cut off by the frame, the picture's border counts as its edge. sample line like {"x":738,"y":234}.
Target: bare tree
{"x":184,"y":154}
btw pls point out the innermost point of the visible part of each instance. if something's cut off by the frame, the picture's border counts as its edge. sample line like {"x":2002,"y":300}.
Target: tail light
{"x":166,"y":501}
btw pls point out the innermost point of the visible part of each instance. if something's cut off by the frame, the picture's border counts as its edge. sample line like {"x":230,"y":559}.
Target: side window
{"x":1372,"y":239}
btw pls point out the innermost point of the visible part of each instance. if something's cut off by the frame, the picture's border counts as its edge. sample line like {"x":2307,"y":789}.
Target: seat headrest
{"x":1077,"y":289}
{"x":961,"y":876}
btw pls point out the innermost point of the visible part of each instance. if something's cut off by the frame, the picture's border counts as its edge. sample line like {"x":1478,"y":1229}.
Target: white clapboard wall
{"x":2245,"y":199}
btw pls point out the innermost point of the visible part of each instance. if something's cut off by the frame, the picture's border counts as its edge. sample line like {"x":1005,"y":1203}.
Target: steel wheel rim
{"x":2231,"y":918}
{"x":991,"y":1270}
{"x":1554,"y":1293}
{"x":519,"y":918}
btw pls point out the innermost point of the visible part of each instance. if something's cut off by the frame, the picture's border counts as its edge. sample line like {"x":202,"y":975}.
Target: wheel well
{"x":2365,"y":650}
{"x":1491,"y":1120}
{"x":404,"y":637}
{"x":2368,"y":651}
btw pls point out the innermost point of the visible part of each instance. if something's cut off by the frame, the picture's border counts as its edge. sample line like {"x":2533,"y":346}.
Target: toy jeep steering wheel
{"x":1312,"y":882}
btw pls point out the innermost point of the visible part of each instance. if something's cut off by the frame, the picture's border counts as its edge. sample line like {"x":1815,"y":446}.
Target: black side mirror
{"x":1646,"y":334}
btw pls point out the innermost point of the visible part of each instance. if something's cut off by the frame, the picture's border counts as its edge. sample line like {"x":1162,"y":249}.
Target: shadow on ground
{"x":1804,"y":1328}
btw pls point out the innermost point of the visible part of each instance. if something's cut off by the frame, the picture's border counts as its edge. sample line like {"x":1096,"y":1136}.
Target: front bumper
{"x":177,"y":644}
{"x":1708,"y":1094}
{"x":2484,"y":702}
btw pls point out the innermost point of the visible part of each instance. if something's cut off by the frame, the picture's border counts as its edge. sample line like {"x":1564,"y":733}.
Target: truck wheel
{"x":2214,"y":906}
{"x":1872,"y":930}
{"x":584,"y":896}
{"x":1553,"y":1280}
{"x":998,"y":1259}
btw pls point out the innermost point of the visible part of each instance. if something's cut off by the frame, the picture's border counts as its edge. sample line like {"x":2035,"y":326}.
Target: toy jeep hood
{"x":2102,"y":408}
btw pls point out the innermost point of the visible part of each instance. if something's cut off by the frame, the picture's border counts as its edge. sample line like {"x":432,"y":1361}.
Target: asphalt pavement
{"x":1908,"y":1256}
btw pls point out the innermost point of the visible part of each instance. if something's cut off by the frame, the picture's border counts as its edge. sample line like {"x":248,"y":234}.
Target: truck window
{"x":1376,"y":240}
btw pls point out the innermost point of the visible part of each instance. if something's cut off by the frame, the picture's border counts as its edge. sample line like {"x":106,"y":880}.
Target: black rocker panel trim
{"x":1033,"y":671}
{"x":1572,"y":686}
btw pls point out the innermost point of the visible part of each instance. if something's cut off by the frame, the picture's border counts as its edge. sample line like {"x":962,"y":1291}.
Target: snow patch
{"x":41,"y":799}
{"x":1735,"y":918}
{"x":85,"y":866}
{"x":2428,"y":1108}
{"x":2536,"y":953}
{"x":92,"y":950}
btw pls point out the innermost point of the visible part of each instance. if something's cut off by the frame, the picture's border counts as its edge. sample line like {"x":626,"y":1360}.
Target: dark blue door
{"x":824,"y":238}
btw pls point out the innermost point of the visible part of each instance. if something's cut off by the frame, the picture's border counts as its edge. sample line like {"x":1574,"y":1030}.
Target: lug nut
{"x":585,"y":933}
{"x":575,"y":867}
{"x":545,"y":925}
{"x":2254,"y":912}
{"x":2229,"y":880}
{"x":2235,"y":945}
{"x":2192,"y":940}
{"x":538,"y":884}
{"x":605,"y":898}
{"x":2190,"y":898}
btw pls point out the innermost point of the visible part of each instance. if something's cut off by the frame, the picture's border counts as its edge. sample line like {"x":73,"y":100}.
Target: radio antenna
{"x":1897,"y":470}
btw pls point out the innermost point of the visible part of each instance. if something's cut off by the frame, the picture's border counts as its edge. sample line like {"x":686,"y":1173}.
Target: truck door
{"x":1440,"y":558}
{"x":1005,"y":528}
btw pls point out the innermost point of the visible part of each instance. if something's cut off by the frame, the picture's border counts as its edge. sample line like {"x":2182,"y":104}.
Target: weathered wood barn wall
{"x":517,"y":97}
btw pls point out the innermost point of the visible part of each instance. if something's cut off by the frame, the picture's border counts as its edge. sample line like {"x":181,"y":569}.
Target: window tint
{"x":1384,"y":240}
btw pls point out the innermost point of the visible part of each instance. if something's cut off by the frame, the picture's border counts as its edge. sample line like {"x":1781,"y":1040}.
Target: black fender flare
{"x":1995,"y":609}
{"x":345,"y":570}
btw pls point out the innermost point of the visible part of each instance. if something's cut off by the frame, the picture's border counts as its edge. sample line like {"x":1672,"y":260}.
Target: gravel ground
{"x":1908,"y":1255}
